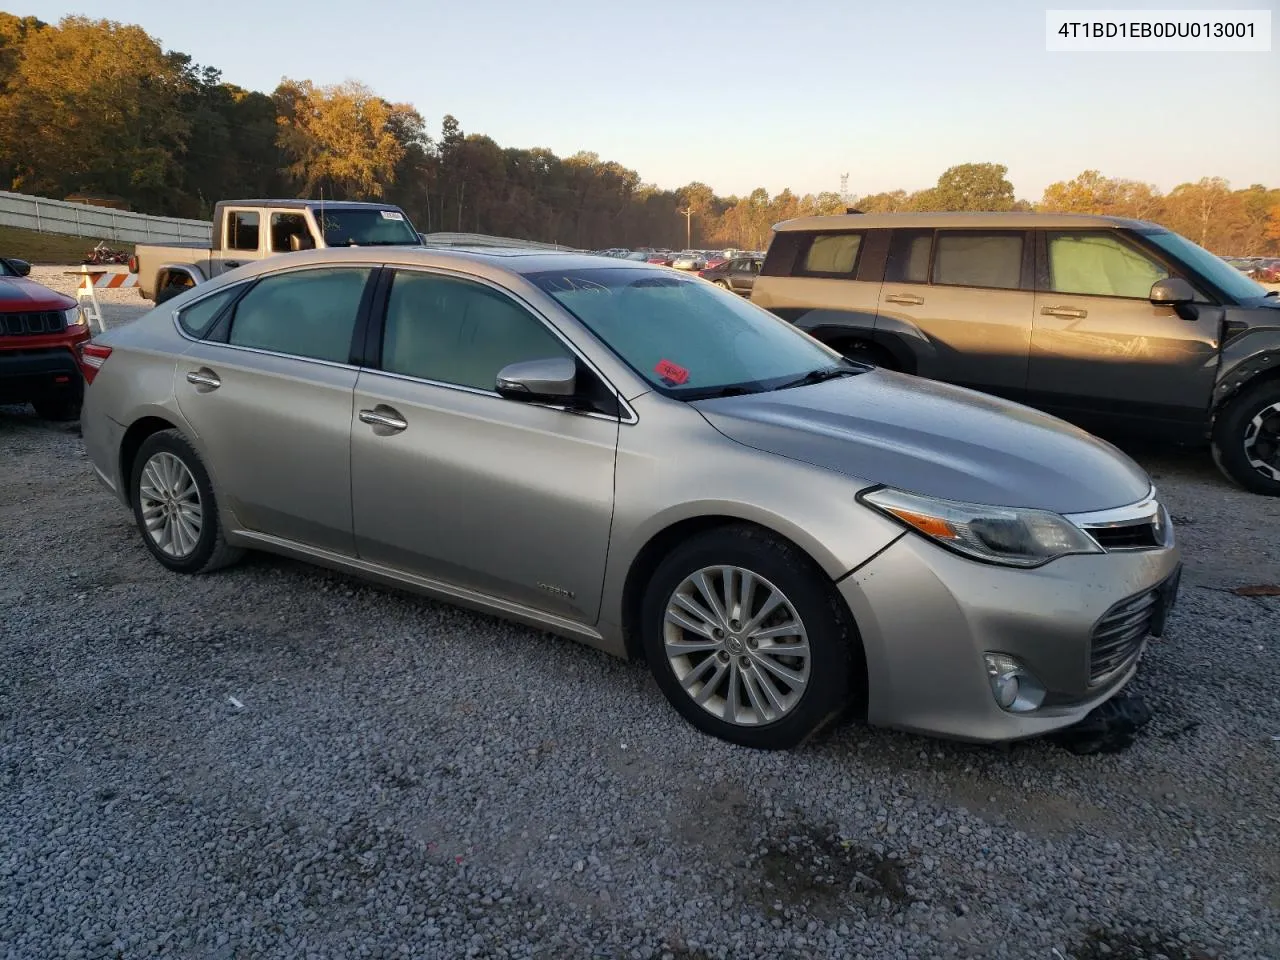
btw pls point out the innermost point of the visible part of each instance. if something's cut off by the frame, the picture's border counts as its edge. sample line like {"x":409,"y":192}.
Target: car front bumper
{"x":927,"y":616}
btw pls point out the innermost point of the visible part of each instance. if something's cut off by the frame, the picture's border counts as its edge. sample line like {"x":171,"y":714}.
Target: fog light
{"x":1014,"y":687}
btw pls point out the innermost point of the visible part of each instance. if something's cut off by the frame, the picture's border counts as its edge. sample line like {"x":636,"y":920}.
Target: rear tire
{"x":1246,"y":438}
{"x":722,"y":284}
{"x":174,"y":506}
{"x":61,"y":410}
{"x":734,"y":686}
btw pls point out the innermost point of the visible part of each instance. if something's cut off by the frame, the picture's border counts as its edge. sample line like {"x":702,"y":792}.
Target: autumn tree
{"x":973,"y":186}
{"x":104,"y":103}
{"x":338,"y":140}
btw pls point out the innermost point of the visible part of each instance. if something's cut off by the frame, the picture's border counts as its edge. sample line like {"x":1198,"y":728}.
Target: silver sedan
{"x":637,"y":460}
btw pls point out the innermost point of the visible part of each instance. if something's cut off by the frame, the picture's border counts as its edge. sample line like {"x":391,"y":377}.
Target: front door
{"x":269,"y":394}
{"x":452,"y":481}
{"x":1101,"y":349}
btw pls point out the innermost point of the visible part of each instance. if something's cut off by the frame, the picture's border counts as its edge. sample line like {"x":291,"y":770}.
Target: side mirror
{"x":1171,"y":292}
{"x":20,"y":267}
{"x":301,"y":241}
{"x":554,"y":379}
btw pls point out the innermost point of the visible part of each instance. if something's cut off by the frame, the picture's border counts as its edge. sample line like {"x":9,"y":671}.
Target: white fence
{"x":82,"y":220}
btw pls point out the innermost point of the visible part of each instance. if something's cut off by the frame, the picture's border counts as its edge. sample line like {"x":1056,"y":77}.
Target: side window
{"x":832,"y":254}
{"x":1099,"y":264}
{"x":197,"y":319}
{"x":740,"y":266}
{"x":305,"y":313}
{"x":458,"y":332}
{"x":242,"y":230}
{"x":285,"y":225}
{"x":755,"y":266}
{"x":978,"y":259}
{"x":909,"y":256}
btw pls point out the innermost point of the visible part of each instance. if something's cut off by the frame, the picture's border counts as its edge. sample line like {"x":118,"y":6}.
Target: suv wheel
{"x":174,"y":506}
{"x":747,"y":640}
{"x":1246,"y":438}
{"x":61,"y":409}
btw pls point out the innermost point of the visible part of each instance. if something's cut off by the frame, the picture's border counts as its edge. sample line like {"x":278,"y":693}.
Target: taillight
{"x":133,"y":264}
{"x":92,"y":357}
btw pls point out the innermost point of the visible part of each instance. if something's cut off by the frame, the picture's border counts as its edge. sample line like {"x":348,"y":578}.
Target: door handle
{"x":385,"y":417}
{"x":204,"y":377}
{"x":1071,"y":312}
{"x":910,"y":299}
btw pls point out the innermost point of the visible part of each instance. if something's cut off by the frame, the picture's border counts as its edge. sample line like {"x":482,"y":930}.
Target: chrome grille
{"x":33,"y":322}
{"x":1118,"y":636}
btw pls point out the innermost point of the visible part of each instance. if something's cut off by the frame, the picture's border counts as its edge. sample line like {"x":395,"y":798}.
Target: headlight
{"x":1013,"y":536}
{"x":75,"y":318}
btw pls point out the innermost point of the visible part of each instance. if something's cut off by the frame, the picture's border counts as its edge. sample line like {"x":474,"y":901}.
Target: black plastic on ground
{"x":1108,"y":728}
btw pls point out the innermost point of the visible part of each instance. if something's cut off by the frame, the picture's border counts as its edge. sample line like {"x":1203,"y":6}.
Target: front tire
{"x":748,"y":640}
{"x":174,"y":506}
{"x":1246,"y":439}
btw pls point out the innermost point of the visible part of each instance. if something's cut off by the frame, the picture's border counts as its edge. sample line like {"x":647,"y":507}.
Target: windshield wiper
{"x":711,"y":393}
{"x":820,"y":375}
{"x":1271,"y":293}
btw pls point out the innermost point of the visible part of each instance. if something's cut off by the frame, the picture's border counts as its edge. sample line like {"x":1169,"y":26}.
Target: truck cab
{"x":249,"y":230}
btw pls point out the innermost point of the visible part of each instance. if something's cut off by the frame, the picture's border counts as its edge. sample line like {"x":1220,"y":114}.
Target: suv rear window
{"x":833,"y":253}
{"x":979,"y":259}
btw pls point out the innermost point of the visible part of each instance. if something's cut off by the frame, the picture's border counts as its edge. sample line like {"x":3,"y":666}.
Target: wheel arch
{"x":660,"y":544}
{"x":132,"y":441}
{"x":1243,"y":375}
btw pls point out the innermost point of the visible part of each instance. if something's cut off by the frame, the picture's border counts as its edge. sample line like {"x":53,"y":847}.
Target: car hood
{"x":934,"y":439}
{"x":18,"y":295}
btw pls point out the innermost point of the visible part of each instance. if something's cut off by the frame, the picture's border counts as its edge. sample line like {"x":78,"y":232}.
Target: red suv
{"x":40,"y":335}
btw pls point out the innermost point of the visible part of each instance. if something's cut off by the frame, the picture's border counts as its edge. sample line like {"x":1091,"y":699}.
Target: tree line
{"x":98,"y":107}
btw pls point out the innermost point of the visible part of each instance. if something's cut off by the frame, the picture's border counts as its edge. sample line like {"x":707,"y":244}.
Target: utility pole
{"x":688,"y":226}
{"x":844,"y":189}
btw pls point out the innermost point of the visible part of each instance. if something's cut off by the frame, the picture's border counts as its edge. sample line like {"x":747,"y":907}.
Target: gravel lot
{"x":398,"y":778}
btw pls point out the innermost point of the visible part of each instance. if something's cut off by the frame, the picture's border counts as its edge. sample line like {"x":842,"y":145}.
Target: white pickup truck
{"x":247,"y":230}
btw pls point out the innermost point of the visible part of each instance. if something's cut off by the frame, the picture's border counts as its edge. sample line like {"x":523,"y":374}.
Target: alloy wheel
{"x":1262,"y":441}
{"x":171,"y":507}
{"x":736,"y":645}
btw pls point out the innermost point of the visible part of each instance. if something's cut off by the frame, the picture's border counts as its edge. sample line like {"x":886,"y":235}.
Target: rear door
{"x":511,"y":499}
{"x":1101,"y":349}
{"x":827,"y":284}
{"x":740,"y":276}
{"x":964,"y":300}
{"x":269,"y":391}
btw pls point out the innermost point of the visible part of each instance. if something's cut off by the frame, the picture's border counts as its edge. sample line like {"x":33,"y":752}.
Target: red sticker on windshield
{"x":671,"y":372}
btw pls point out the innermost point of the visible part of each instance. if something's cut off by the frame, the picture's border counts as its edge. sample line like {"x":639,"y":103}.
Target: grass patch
{"x":50,"y":248}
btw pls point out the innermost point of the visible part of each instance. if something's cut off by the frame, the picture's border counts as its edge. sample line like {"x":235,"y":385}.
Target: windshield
{"x":1216,"y":270}
{"x":365,"y":228}
{"x":685,"y":336}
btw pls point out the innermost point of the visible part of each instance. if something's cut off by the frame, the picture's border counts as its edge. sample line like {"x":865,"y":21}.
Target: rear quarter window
{"x":198,"y":319}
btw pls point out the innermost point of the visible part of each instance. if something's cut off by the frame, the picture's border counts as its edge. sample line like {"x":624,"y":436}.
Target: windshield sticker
{"x":673,"y":373}
{"x":392,"y":215}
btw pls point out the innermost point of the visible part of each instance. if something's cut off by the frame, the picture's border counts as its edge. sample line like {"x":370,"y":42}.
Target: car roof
{"x":1016,"y":220}
{"x":480,"y":260}
{"x":330,"y":204}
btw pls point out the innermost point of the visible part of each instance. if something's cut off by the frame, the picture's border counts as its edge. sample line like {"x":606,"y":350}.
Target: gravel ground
{"x":274,"y":761}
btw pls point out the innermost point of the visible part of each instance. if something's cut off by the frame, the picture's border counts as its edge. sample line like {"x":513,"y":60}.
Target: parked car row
{"x":1262,"y":269}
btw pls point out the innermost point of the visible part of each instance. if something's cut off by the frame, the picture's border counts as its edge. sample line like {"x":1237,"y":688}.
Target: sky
{"x":762,"y":93}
